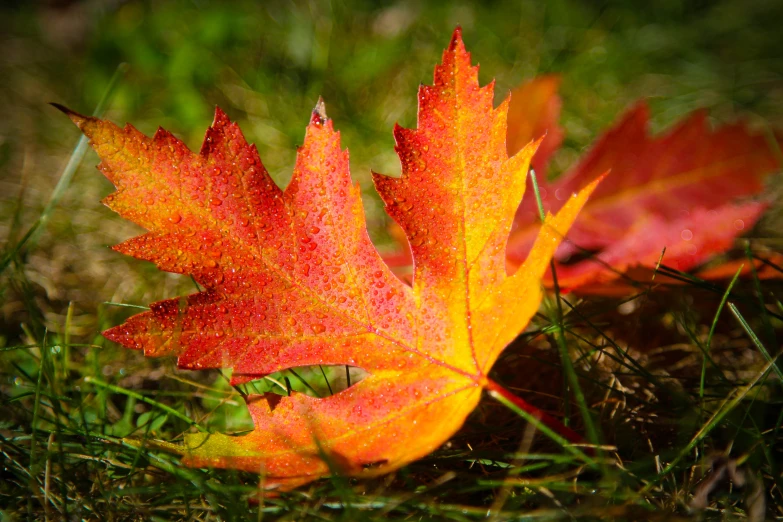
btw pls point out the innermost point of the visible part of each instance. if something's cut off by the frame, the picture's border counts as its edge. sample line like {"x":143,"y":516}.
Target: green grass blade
{"x":138,"y":396}
{"x":727,"y":406}
{"x":565,"y":356}
{"x":756,"y":340}
{"x":30,"y":237}
{"x":713,"y":326}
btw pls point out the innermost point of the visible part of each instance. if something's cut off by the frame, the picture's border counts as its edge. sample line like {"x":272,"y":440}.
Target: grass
{"x":675,"y":382}
{"x":71,"y":408}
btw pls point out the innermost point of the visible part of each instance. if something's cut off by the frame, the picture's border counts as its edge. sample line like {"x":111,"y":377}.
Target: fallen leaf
{"x":764,"y":265}
{"x":291,"y":278}
{"x":678,"y":191}
{"x":533,"y":113}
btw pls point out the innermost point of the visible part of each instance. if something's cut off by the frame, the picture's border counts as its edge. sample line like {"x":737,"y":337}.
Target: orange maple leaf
{"x":292,"y":279}
{"x":677,"y":191}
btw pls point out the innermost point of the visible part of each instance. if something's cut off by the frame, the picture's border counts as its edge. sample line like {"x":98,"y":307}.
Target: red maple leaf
{"x":292,"y":279}
{"x":689,"y":191}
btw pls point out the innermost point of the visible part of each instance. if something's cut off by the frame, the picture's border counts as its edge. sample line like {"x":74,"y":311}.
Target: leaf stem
{"x":555,"y":429}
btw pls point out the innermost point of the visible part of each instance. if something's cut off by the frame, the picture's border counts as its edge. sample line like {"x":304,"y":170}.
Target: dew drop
{"x":318,"y":328}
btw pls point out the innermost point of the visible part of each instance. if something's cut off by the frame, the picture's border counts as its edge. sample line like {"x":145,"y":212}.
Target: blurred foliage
{"x":266,"y":63}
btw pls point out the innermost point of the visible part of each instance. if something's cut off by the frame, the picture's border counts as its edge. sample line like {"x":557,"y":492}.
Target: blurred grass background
{"x":265,"y":64}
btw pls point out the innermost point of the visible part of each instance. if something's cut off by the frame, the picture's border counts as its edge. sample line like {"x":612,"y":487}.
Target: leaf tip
{"x":456,"y":39}
{"x":588,"y":189}
{"x":114,"y":334}
{"x":220,"y":116}
{"x":75,"y":117}
{"x":319,"y":112}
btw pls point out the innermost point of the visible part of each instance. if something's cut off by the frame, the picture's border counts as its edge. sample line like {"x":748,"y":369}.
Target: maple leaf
{"x":533,"y":114}
{"x":291,"y":277}
{"x":676,"y":191}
